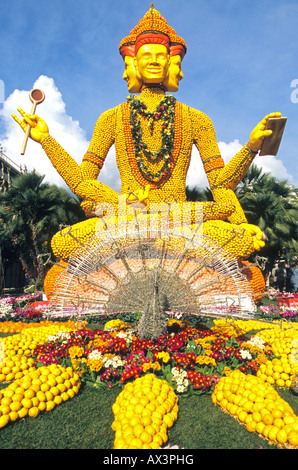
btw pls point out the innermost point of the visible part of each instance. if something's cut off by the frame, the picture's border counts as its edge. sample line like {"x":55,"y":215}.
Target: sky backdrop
{"x":241,"y":64}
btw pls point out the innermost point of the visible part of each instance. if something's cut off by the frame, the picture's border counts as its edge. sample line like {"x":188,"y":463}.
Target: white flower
{"x":180,"y":389}
{"x":245,"y":354}
{"x":175,"y":371}
{"x":257,"y":341}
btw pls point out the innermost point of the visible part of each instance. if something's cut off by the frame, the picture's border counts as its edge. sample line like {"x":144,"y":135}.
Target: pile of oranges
{"x":144,"y":411}
{"x":40,"y":390}
{"x":257,"y":405}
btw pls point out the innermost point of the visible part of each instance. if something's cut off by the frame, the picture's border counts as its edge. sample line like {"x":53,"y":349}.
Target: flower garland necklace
{"x":165,"y":111}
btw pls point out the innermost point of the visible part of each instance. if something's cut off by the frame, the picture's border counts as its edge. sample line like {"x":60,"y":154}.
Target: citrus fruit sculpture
{"x":143,"y":412}
{"x":148,"y":249}
{"x":258,"y":406}
{"x":153,"y":136}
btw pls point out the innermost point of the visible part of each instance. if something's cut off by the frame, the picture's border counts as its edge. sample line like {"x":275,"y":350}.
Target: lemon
{"x":33,"y":411}
{"x":4,"y":420}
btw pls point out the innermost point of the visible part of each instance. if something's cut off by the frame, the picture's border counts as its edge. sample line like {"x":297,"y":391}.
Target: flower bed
{"x":191,"y":359}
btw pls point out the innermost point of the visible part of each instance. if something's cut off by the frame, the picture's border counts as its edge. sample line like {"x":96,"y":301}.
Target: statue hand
{"x":39,"y":129}
{"x":257,"y":235}
{"x":139,"y":195}
{"x":259,"y":133}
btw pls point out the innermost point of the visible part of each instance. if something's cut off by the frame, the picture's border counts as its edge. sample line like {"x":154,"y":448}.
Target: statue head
{"x":152,"y":63}
{"x":134,"y":84}
{"x":157,"y":52}
{"x":175,"y":74}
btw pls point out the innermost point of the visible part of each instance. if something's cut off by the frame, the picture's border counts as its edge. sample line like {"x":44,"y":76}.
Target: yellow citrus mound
{"x":257,"y":405}
{"x":143,"y":412}
{"x":37,"y":391}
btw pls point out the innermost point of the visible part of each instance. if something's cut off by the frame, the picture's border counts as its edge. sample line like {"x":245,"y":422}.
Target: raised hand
{"x":259,"y":133}
{"x":38,"y":127}
{"x":139,"y":195}
{"x":256,"y":234}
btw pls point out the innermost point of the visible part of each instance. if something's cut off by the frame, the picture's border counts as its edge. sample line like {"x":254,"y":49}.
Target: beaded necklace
{"x":164,"y":111}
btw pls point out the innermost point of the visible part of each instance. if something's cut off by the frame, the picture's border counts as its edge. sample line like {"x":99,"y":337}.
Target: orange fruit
{"x":247,"y":406}
{"x":64,"y":396}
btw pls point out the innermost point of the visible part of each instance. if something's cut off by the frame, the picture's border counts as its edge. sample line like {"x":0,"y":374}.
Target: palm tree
{"x":272,"y":205}
{"x":31,"y":213}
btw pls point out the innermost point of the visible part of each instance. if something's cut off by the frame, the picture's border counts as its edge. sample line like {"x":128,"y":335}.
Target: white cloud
{"x":73,"y":139}
{"x":196,"y":175}
{"x":61,"y":126}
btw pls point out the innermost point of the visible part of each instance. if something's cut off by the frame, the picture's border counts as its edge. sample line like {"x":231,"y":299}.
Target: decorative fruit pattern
{"x":257,"y":405}
{"x":40,"y":390}
{"x":143,"y":412}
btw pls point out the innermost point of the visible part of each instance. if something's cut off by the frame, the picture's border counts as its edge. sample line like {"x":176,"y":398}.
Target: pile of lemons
{"x":16,"y":367}
{"x":284,"y":344}
{"x":40,"y":390}
{"x":144,"y":411}
{"x":257,"y":405}
{"x":25,"y":342}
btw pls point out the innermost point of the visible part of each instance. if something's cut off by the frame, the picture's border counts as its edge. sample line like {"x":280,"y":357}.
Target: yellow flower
{"x":151,"y":365}
{"x":95,"y":364}
{"x":227,"y":371}
{"x":76,"y":351}
{"x":205,"y":360}
{"x":164,"y":356}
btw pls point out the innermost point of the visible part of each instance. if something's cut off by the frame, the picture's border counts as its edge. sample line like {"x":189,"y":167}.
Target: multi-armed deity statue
{"x":153,"y":135}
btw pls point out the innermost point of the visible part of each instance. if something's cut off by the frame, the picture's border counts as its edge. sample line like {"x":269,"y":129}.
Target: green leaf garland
{"x":164,"y":111}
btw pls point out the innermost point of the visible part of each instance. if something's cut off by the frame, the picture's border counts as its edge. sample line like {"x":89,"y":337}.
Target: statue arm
{"x":205,"y":140}
{"x":81,"y":179}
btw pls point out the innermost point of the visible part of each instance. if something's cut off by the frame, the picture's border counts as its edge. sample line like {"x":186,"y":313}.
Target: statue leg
{"x":232,"y":238}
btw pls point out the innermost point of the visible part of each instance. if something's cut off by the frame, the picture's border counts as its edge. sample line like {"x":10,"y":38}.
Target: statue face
{"x":130,"y":75}
{"x":171,"y":82}
{"x":152,"y":63}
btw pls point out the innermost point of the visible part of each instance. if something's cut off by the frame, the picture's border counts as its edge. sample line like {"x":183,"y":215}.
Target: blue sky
{"x":241,"y":60}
